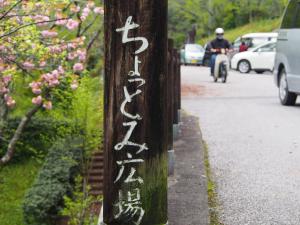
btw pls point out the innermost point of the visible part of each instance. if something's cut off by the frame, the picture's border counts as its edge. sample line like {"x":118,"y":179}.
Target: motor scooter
{"x":221,"y":66}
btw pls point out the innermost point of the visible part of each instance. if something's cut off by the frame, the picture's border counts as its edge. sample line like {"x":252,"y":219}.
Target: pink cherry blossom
{"x":99,"y":10}
{"x":37,"y":100}
{"x":75,"y":9}
{"x":51,"y":79}
{"x":35,"y":84}
{"x":71,"y":46}
{"x":2,"y":48}
{"x":72,"y":24}
{"x":86,"y":11}
{"x":72,"y":55}
{"x":81,"y":54}
{"x":78,"y":67}
{"x":36,"y":87}
{"x":83,"y":18}
{"x":36,"y":91}
{"x":61,"y":70}
{"x":41,"y":19}
{"x":61,"y":21}
{"x":3,"y":3}
{"x":49,"y":34}
{"x":43,"y":64}
{"x":28,"y":65}
{"x":55,"y":49}
{"x":74,"y":85}
{"x":3,"y":90}
{"x":7,"y":79}
{"x":91,"y":4}
{"x":10,"y":102}
{"x":47,"y":105}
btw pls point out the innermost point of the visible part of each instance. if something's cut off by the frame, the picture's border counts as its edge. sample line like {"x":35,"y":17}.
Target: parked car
{"x":192,"y":54}
{"x":259,"y":59}
{"x":253,"y":40}
{"x":287,"y":61}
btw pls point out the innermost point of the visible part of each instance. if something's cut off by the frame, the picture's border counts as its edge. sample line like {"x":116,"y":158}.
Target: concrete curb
{"x":187,"y":194}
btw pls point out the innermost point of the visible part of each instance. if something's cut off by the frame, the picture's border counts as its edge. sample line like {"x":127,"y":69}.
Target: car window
{"x":194,"y":48}
{"x":292,"y":15}
{"x":267,"y":48}
{"x":237,"y":43}
{"x":258,"y":41}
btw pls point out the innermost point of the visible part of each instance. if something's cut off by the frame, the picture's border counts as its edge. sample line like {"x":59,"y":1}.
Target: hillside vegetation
{"x":259,"y":26}
{"x":207,"y":15}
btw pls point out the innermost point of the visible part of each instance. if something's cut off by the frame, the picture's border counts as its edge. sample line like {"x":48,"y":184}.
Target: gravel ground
{"x":254,"y":146}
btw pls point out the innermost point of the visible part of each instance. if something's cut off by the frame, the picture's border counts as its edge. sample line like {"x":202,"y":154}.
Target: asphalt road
{"x":254,"y":146}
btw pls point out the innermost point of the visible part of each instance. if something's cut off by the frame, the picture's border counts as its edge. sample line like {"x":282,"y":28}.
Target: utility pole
{"x":136,"y":125}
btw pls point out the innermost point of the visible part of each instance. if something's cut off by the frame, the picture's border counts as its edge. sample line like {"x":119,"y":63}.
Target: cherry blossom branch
{"x":10,"y":9}
{"x":30,"y":24}
{"x":18,"y":65}
{"x":89,"y":26}
{"x":93,"y":40}
{"x":13,"y":142}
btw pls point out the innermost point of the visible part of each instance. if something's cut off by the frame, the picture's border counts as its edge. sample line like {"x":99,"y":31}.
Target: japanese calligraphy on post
{"x":129,"y":205}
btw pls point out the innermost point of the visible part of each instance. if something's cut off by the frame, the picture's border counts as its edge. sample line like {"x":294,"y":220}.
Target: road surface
{"x":254,"y":146}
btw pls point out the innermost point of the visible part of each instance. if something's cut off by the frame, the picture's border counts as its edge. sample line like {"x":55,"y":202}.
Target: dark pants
{"x":212,"y":63}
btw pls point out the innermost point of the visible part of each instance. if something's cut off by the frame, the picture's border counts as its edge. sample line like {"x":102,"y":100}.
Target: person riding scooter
{"x":218,"y":46}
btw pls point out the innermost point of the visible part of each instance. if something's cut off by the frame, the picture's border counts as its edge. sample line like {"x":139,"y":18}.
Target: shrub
{"x":79,"y":207}
{"x":87,"y":112}
{"x":37,"y":137}
{"x":56,"y":179}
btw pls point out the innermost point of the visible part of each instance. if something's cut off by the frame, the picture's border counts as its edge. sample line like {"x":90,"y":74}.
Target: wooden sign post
{"x":136,"y":125}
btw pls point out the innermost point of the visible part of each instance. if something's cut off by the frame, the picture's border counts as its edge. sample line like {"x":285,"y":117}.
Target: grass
{"x":15,"y":179}
{"x":259,"y":26}
{"x":211,"y":190}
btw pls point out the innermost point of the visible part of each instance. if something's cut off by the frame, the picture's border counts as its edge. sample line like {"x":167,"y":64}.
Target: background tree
{"x":43,"y":52}
{"x":209,"y":14}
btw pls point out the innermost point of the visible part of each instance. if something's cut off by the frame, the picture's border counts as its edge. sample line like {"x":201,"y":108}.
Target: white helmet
{"x":219,"y":31}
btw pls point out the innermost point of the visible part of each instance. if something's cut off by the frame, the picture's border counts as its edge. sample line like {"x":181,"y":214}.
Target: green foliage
{"x":15,"y":179}
{"x":83,"y":109}
{"x":87,"y":112}
{"x":38,"y":137}
{"x":260,"y":26}
{"x":208,"y":15}
{"x":45,"y":199}
{"x":77,"y":207}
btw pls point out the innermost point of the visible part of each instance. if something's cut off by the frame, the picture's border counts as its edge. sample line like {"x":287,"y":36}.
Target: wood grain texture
{"x":151,"y":15}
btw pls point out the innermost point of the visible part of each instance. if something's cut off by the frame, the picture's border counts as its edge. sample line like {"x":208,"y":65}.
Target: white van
{"x":253,"y":40}
{"x":287,"y":62}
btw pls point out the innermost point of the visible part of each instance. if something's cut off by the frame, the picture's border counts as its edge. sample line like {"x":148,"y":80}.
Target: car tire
{"x":259,"y":71}
{"x":244,"y":66}
{"x":286,"y":97}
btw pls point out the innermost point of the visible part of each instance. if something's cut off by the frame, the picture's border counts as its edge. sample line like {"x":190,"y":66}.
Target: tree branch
{"x":10,"y":9}
{"x":88,"y":26}
{"x":29,"y":24}
{"x":93,"y":40}
{"x":12,"y":144}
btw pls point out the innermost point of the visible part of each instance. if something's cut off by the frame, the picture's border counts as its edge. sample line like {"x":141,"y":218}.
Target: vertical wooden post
{"x":179,"y":86}
{"x":169,"y":103}
{"x":175,"y":87}
{"x":136,"y":128}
